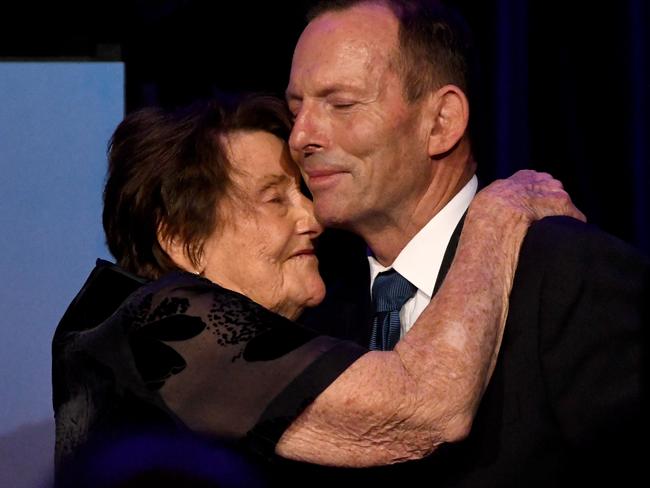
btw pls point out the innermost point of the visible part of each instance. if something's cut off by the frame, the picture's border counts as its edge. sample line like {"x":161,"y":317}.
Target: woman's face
{"x":264,"y":249}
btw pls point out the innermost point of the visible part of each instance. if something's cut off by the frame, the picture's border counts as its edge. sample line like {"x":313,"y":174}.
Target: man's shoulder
{"x":566,"y":247}
{"x":566,"y":234}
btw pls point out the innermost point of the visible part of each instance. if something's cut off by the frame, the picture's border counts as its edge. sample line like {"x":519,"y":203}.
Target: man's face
{"x":362,"y":148}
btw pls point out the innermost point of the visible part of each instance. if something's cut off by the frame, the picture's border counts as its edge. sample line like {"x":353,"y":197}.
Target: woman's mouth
{"x":304,"y":253}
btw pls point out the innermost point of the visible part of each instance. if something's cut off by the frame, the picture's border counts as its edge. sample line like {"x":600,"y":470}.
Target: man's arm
{"x":399,"y":405}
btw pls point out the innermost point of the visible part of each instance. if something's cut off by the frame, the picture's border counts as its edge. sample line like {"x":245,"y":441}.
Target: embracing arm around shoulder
{"x":393,"y":406}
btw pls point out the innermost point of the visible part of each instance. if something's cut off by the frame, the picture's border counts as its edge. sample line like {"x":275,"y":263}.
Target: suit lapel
{"x":450,"y":252}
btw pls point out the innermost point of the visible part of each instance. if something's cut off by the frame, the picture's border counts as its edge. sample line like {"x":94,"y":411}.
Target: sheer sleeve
{"x":224,"y":365}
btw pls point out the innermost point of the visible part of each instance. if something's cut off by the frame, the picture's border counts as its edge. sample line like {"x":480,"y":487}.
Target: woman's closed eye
{"x":275,"y":198}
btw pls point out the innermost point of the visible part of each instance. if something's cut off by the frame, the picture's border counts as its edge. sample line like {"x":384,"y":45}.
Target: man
{"x":378,"y":92}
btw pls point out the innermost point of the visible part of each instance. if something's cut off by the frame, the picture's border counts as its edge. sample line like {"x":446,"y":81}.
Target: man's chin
{"x":329,"y":214}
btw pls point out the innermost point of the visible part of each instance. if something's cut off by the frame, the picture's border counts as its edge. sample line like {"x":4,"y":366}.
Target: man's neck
{"x":387,"y":237}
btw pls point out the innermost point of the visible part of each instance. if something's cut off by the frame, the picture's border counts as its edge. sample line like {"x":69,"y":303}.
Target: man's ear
{"x":174,"y":249}
{"x":449,"y":113}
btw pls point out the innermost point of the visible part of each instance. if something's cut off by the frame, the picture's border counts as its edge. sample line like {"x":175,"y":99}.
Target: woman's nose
{"x":307,"y":223}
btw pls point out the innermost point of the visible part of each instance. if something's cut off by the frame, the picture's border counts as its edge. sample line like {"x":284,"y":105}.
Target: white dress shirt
{"x":420,"y":260}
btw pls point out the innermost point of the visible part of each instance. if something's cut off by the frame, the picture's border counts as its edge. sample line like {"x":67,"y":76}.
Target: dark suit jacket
{"x":566,"y":405}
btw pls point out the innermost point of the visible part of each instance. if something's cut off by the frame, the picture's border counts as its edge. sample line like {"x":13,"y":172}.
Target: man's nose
{"x":308,"y":134}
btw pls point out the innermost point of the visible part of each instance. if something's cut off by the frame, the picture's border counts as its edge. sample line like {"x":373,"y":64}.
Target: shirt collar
{"x":420,"y":260}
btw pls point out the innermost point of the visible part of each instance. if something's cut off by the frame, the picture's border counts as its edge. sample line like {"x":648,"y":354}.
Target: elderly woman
{"x":194,"y":331}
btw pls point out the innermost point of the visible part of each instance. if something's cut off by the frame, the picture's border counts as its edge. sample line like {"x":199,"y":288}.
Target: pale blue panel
{"x":55,"y":122}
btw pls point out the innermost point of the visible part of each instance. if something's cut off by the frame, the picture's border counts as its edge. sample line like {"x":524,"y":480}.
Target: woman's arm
{"x":398,"y":405}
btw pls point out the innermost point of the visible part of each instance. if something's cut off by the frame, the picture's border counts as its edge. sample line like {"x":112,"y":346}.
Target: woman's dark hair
{"x":167,"y":173}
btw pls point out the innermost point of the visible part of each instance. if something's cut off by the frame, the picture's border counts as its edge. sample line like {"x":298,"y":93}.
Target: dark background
{"x":564,"y":86}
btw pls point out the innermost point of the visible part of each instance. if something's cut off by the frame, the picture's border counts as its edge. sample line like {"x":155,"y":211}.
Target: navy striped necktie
{"x":390,"y":292}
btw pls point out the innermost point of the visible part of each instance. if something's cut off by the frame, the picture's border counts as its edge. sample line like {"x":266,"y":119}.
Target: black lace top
{"x":183,"y":354}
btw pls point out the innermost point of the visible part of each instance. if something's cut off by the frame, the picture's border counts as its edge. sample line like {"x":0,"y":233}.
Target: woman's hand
{"x":528,"y":195}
